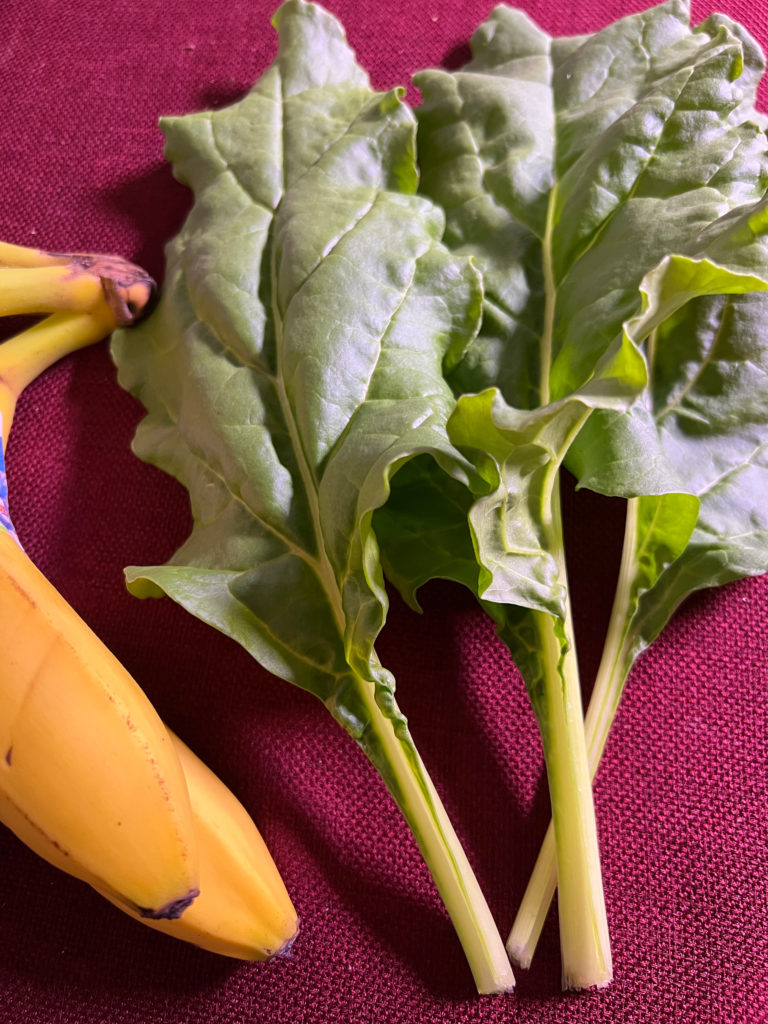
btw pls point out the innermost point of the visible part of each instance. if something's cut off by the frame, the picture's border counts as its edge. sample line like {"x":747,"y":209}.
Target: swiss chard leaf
{"x":295,"y":361}
{"x":564,"y":167}
{"x":559,"y":163}
{"x":703,"y":414}
{"x":570,"y":170}
{"x":706,"y":410}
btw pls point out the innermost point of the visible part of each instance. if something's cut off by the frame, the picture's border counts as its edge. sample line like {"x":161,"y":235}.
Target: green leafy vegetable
{"x":707,"y":408}
{"x":350,"y":352}
{"x":592,"y":179}
{"x":295,"y":361}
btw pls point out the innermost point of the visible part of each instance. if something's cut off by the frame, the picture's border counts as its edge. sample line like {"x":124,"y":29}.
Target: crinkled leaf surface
{"x":570,"y":169}
{"x":295,"y":361}
{"x":606,"y":186}
{"x":707,"y":408}
{"x":296,"y":357}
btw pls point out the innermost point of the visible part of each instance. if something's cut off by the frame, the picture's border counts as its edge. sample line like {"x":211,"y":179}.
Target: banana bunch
{"x":90,"y":777}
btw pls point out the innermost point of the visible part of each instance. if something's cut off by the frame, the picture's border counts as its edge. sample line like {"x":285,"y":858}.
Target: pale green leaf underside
{"x":295,"y":360}
{"x":294,"y":363}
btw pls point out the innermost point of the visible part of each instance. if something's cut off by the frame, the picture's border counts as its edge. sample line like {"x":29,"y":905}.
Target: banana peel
{"x":90,"y":778}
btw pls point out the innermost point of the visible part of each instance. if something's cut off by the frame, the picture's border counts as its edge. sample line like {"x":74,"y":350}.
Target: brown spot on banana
{"x":171,"y":911}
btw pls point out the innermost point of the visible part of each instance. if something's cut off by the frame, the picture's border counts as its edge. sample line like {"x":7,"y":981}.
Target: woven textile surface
{"x":681,"y":795}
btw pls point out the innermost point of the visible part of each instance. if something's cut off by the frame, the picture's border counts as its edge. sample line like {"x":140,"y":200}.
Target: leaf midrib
{"x":321,"y":562}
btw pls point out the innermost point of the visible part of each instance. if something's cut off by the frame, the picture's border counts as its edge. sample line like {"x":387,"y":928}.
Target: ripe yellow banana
{"x":243,"y":910}
{"x":84,"y":759}
{"x":90,"y":779}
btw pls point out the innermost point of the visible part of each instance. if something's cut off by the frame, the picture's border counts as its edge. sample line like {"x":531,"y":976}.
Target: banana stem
{"x":40,"y":282}
{"x":47,"y":289}
{"x":86,"y":295}
{"x":29,"y":353}
{"x":25,"y":256}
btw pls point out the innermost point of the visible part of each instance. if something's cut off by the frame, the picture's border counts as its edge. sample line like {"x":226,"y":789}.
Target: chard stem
{"x":606,"y":694}
{"x":406,"y":776}
{"x":584,"y":939}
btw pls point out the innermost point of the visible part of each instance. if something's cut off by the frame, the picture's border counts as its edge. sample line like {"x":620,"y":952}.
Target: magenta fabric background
{"x":682,"y":795}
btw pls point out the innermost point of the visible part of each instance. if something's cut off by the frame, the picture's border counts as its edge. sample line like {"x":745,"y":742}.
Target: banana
{"x":90,"y":779}
{"x":243,"y":910}
{"x":85,"y":760}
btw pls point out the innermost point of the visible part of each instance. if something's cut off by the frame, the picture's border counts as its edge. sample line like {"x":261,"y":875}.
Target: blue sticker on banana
{"x":5,"y":516}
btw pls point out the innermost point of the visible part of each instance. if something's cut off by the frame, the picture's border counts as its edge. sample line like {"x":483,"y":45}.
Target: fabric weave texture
{"x":681,"y":796}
